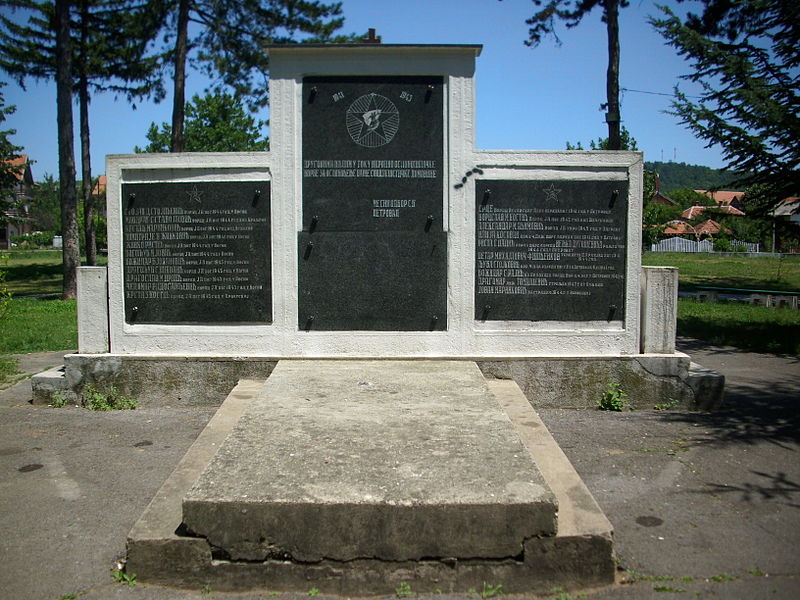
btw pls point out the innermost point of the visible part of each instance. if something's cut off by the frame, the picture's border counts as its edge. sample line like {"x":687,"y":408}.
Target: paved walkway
{"x":703,"y":505}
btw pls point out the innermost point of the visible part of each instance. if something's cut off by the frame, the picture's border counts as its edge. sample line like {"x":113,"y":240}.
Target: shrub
{"x":37,"y":239}
{"x":722,"y":245}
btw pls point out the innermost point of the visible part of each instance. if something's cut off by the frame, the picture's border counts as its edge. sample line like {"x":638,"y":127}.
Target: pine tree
{"x":231,"y":43}
{"x":108,"y":40}
{"x":746,"y":57}
{"x":572,"y":12}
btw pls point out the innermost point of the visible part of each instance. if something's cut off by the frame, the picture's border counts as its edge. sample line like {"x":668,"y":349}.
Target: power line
{"x":655,"y":93}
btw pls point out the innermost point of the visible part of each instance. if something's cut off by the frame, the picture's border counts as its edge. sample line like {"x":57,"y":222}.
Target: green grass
{"x":8,"y":368}
{"x":39,"y":325}
{"x":755,"y":328}
{"x":700,"y":269}
{"x":36,"y":271}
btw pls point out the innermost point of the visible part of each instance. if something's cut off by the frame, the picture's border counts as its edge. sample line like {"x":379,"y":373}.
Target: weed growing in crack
{"x":121,"y":576}
{"x":95,"y":399}
{"x":614,"y":398}
{"x":490,"y":591}
{"x":403,"y":590}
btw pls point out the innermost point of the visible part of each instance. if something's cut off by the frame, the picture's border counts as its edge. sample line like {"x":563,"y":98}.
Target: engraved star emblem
{"x":195,"y":195}
{"x":551,"y":193}
{"x":372,"y":120}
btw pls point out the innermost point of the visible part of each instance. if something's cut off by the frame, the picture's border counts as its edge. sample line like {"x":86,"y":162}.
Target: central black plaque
{"x":197,"y":252}
{"x":373,"y":250}
{"x":550,"y":250}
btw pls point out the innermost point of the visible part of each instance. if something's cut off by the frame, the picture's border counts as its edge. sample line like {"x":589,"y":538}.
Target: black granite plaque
{"x":197,"y":252}
{"x":373,"y":252}
{"x":373,"y":150}
{"x":373,"y":281}
{"x":550,"y":250}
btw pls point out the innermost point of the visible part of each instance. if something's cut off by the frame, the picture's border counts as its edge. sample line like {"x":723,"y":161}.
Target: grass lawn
{"x":703,"y":268}
{"x":32,"y":272}
{"x":756,"y":328}
{"x":39,"y":325}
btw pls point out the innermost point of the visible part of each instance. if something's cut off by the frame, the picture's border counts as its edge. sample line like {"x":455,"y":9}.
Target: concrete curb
{"x":579,"y":556}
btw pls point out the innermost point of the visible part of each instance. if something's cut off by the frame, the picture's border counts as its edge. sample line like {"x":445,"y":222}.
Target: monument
{"x":380,"y":306}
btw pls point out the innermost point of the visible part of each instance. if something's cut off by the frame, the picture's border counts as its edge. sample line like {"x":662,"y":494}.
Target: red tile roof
{"x":21,"y":161}
{"x":709,"y":227}
{"x":100,"y":186}
{"x":695,"y":211}
{"x":721,"y":196}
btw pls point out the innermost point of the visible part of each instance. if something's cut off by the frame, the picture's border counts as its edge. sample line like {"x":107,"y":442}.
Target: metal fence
{"x":678,"y":244}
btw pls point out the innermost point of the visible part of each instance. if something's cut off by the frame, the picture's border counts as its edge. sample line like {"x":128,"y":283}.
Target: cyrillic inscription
{"x":550,"y":250}
{"x":197,"y":253}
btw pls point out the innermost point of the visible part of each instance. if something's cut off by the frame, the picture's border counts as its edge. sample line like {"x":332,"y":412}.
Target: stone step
{"x":356,"y":476}
{"x":46,"y":385}
{"x":392,"y":460}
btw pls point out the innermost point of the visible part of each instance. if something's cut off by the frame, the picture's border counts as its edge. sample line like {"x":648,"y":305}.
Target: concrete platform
{"x":366,"y":474}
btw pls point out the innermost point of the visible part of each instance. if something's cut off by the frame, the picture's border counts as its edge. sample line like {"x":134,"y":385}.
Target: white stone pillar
{"x":92,"y":310}
{"x":659,"y":309}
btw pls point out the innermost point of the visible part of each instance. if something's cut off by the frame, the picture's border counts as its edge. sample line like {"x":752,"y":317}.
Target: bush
{"x":722,"y":245}
{"x":37,"y":239}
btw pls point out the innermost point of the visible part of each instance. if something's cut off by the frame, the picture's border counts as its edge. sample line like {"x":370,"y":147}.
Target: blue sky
{"x":526,"y":98}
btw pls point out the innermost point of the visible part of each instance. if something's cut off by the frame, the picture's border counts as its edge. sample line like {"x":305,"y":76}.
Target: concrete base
{"x":391,"y":460}
{"x":478,"y":545}
{"x":552,"y":382}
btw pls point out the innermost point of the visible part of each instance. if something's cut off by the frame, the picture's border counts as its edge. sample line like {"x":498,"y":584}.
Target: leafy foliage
{"x":627,"y":142}
{"x":8,"y":151}
{"x":745,"y":56}
{"x":614,"y":398}
{"x":214,"y":123}
{"x":231,"y":36}
{"x":95,"y":399}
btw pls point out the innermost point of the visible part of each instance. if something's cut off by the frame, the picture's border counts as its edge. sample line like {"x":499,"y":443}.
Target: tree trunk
{"x":179,"y":95}
{"x":612,"y":75}
{"x":86,"y":157}
{"x":66,"y":158}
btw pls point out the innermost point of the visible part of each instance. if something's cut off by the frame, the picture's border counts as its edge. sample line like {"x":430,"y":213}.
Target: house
{"x":721,"y":197}
{"x":100,"y":187}
{"x":15,"y":220}
{"x":706,"y":229}
{"x":788,"y":209}
{"x":659,"y":198}
{"x":693,"y":212}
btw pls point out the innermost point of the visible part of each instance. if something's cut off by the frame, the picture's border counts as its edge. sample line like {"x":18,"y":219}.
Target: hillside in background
{"x":675,"y":176}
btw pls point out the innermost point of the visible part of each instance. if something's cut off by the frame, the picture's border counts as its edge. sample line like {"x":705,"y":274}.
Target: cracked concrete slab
{"x":384,"y":460}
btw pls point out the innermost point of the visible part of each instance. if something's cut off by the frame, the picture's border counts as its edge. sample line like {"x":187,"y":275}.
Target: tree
{"x":109,"y":41}
{"x":627,"y":142}
{"x":745,"y":55}
{"x":214,"y":123}
{"x":71,"y":255}
{"x":8,"y":152}
{"x":230,"y":44}
{"x":686,"y":197}
{"x":572,"y":12}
